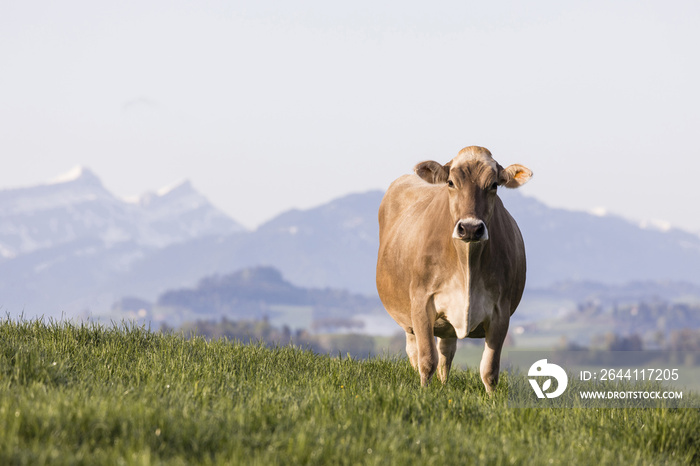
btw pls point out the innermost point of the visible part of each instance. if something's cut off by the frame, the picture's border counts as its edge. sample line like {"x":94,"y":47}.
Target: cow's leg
{"x":425,"y":340}
{"x":447,"y":348}
{"x":491,"y":359}
{"x":412,"y":349}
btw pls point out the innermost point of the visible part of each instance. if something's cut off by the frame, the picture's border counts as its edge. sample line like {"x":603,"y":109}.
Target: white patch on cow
{"x":473,"y":222}
{"x":465,"y":302}
{"x":452,"y":301}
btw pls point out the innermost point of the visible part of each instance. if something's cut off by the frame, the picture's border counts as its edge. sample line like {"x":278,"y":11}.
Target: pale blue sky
{"x":266,"y":106}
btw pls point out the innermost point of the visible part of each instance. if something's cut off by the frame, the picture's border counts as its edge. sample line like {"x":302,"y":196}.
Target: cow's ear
{"x":515,"y":176}
{"x":433,"y":172}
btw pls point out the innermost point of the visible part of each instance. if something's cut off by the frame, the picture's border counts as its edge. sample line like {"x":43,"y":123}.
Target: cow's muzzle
{"x":470,"y":230}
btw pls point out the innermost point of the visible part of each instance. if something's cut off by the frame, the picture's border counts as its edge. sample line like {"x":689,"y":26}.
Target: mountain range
{"x":70,"y":246}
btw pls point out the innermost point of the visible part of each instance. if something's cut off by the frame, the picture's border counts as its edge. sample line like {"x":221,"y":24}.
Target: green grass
{"x":83,"y":394}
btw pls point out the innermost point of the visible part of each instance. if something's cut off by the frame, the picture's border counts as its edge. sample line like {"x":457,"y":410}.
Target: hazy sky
{"x":266,"y":106}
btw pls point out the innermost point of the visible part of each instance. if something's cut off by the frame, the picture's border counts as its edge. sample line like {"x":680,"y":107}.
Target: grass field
{"x":83,"y":394}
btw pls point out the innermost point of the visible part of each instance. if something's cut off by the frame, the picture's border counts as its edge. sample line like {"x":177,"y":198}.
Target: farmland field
{"x":85,"y":394}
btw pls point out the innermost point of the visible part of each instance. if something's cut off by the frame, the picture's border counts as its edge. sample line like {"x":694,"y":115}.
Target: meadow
{"x":90,"y":394}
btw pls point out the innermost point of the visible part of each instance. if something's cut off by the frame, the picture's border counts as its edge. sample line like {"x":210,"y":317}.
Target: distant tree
{"x":685,"y":340}
{"x":397,"y":343}
{"x":130,"y":303}
{"x":566,"y":345}
{"x":615,"y":342}
{"x":337,"y":323}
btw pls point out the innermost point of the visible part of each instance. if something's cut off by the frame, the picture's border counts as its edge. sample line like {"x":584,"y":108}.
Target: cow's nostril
{"x":461,"y":231}
{"x":479,"y":232}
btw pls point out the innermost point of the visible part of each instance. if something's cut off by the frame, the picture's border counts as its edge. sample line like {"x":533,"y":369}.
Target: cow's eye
{"x":494,"y":186}
{"x":450,"y":184}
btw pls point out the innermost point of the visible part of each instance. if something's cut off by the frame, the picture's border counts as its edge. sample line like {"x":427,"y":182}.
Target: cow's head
{"x":472,"y":179}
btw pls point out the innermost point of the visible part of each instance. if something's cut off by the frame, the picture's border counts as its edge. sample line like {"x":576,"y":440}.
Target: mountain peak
{"x":182,"y":204}
{"x":172,"y":193}
{"x":181,"y":187}
{"x":79,"y":173}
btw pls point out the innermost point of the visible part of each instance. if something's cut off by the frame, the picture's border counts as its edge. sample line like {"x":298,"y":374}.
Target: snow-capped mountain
{"x":71,"y":207}
{"x":77,"y":207}
{"x":70,"y":245}
{"x":178,"y":213}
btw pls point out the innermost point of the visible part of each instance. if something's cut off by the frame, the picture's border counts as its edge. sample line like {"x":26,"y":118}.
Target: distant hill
{"x":250,"y":286}
{"x":336,"y":245}
{"x":564,"y":245}
{"x":71,"y":246}
{"x":255,"y":293}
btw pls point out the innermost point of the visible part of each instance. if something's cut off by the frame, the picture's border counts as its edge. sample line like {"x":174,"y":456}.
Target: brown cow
{"x":451,"y":259}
